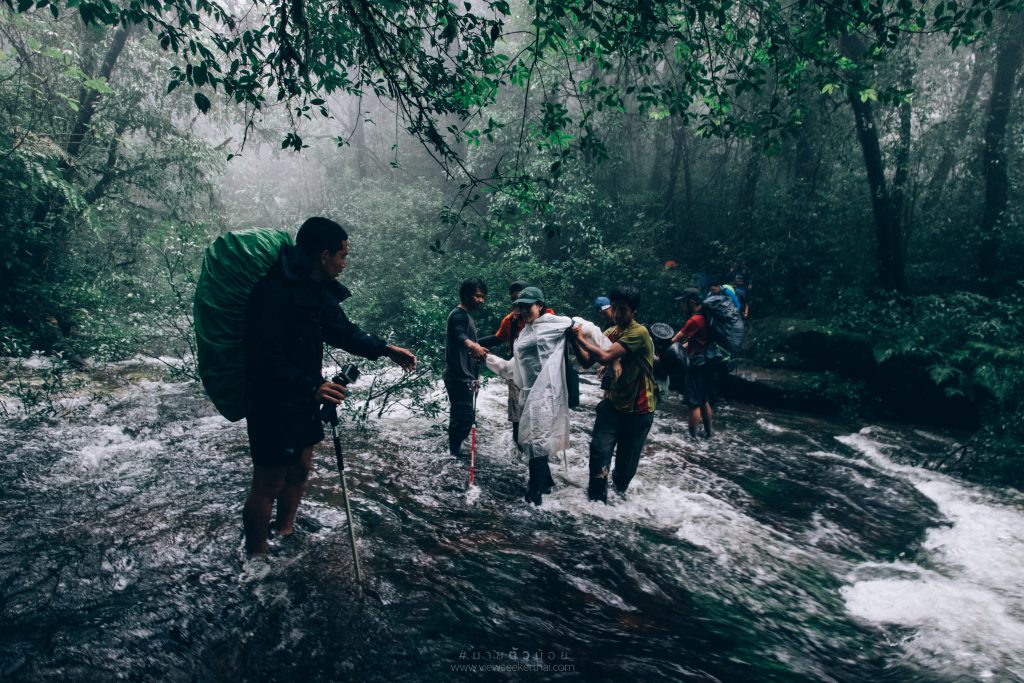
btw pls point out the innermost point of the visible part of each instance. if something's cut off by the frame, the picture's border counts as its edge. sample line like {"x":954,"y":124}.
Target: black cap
{"x":689,"y":293}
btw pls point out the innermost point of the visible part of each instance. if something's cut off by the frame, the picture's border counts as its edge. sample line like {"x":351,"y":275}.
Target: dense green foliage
{"x":970,"y":346}
{"x":731,"y":67}
{"x":834,"y":149}
{"x":99,"y":180}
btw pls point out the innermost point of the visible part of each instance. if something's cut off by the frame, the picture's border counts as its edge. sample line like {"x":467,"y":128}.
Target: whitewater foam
{"x":965,"y":594}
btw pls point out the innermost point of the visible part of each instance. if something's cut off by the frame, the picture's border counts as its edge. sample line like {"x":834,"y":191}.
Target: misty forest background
{"x":862,"y":161}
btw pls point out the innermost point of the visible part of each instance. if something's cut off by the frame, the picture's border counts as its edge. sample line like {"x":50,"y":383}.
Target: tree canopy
{"x":444,"y":63}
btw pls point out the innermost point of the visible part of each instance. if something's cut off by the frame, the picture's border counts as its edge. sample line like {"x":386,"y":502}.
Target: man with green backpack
{"x":291,"y":312}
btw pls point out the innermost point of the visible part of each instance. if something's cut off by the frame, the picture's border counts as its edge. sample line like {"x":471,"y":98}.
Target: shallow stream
{"x":788,"y":548}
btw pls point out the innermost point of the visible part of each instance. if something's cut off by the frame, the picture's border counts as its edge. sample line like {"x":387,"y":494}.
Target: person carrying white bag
{"x":538,"y":368}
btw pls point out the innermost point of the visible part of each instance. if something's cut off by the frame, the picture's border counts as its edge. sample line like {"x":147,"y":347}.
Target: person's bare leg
{"x":692,"y":420}
{"x":706,"y":414}
{"x":267,"y":483}
{"x":291,"y":494}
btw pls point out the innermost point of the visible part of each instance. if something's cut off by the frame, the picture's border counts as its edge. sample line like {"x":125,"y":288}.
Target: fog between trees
{"x":849,"y":159}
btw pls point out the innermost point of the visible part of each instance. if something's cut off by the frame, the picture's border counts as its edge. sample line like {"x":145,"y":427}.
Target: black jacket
{"x":288,"y":319}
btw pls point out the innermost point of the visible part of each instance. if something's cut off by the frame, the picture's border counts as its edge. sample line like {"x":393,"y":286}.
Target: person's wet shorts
{"x":267,"y":448}
{"x":695,"y":391}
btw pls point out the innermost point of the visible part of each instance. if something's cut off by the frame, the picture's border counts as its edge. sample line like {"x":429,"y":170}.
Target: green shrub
{"x":973,"y":346}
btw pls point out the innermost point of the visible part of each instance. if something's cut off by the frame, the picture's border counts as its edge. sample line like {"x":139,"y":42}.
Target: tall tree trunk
{"x":658,"y":173}
{"x":87,"y":98}
{"x":804,"y":161}
{"x":808,"y":169}
{"x":680,"y":161}
{"x":887,"y":228}
{"x":901,"y":173}
{"x":960,"y":130}
{"x":888,"y":221}
{"x":668,"y":199}
{"x":687,"y":171}
{"x":359,"y":140}
{"x":1009,"y":54}
{"x":750,"y":177}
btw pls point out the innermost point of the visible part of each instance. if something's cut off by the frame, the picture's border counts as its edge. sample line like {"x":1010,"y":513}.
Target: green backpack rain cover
{"x":232,"y":266}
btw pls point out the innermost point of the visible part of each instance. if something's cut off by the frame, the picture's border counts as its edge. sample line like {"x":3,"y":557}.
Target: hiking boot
{"x":598,"y":489}
{"x":693,"y":432}
{"x":707,"y":432}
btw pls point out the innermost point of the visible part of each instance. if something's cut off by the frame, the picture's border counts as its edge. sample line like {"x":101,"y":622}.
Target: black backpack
{"x":725,"y":322}
{"x":572,"y":376}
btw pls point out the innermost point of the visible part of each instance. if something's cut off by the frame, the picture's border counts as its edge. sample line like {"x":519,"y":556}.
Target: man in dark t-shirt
{"x":461,"y":355}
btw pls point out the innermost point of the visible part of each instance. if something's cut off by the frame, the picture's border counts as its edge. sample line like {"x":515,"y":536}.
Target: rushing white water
{"x":785,"y":548}
{"x":960,"y":602}
{"x":962,"y":595}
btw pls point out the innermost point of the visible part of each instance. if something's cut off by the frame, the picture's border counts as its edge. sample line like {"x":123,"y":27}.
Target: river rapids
{"x":787,"y":548}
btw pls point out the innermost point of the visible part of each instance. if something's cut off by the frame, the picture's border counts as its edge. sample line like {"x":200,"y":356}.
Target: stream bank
{"x":806,"y":365}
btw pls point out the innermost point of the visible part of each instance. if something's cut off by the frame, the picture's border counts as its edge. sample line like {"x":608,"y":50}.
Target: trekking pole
{"x":329,"y":413}
{"x":475,"y":386}
{"x":344,"y":496}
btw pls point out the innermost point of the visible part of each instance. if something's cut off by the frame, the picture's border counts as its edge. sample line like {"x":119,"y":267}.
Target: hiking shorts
{"x":268,"y":448}
{"x":696,"y":391}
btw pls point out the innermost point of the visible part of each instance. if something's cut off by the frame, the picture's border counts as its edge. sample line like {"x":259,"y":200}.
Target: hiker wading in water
{"x":462,"y":354}
{"x":289,"y":316}
{"x":508,"y":331}
{"x":625,"y":415}
{"x":538,"y":369}
{"x":700,"y":377}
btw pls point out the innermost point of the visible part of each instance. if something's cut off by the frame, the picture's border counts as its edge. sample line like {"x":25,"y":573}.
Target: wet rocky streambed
{"x":788,"y":548}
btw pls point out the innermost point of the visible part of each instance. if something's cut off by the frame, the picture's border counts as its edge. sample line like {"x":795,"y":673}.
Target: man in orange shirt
{"x":511,"y":325}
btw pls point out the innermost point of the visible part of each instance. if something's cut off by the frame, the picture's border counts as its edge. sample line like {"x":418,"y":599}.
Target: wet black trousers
{"x":620,"y":433}
{"x":460,"y":396}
